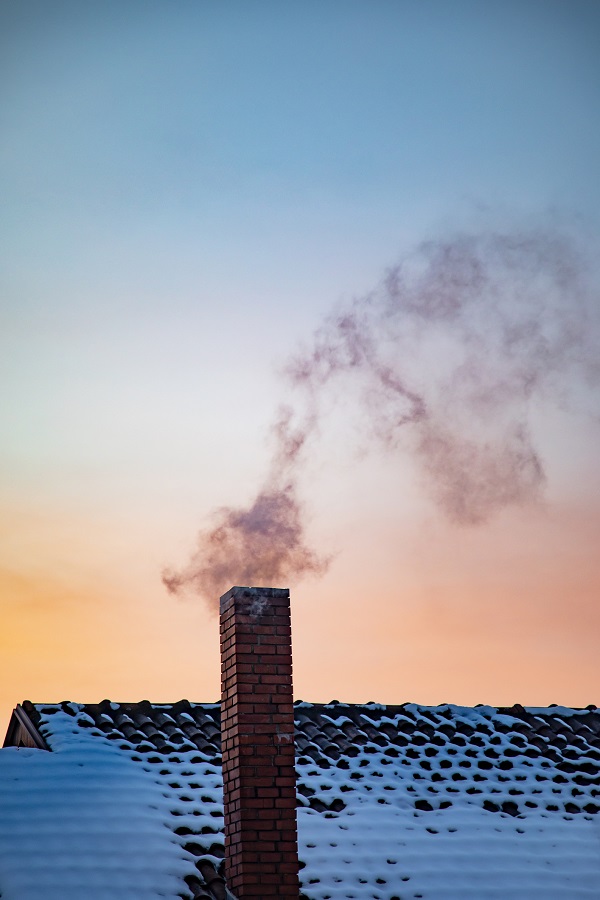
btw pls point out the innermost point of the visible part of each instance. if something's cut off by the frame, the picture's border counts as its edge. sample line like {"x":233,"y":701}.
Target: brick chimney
{"x":257,"y":735}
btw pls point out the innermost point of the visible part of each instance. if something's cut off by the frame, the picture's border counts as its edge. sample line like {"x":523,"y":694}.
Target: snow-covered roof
{"x":394,"y":802}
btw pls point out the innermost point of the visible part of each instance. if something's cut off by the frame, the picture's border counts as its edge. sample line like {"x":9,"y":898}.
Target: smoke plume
{"x":444,"y":360}
{"x":261,"y":544}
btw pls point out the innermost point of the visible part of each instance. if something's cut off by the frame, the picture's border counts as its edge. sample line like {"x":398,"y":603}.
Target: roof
{"x":401,"y":801}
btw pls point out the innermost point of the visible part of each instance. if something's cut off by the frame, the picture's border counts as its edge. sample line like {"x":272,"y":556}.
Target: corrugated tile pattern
{"x":445,"y":747}
{"x":435,"y":772}
{"x":180,"y":745}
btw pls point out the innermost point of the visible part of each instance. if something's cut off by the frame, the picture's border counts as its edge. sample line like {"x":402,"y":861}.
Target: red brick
{"x":257,"y":743}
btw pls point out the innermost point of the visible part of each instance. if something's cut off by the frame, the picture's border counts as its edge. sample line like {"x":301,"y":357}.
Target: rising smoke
{"x":445,"y":360}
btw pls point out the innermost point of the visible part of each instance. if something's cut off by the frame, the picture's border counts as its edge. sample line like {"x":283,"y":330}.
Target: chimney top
{"x":257,"y":598}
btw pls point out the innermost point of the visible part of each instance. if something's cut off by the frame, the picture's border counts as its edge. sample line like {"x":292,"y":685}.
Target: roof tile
{"x":393,"y":800}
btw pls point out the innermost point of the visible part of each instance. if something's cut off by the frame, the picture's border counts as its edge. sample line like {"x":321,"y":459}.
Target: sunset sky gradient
{"x":187,"y":191}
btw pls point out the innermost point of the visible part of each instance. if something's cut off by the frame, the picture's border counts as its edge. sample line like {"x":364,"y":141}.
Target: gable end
{"x":22,"y":732}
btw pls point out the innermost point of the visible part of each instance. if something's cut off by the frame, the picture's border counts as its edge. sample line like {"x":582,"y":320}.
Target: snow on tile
{"x":77,"y":821}
{"x":449,"y":803}
{"x":444,"y":803}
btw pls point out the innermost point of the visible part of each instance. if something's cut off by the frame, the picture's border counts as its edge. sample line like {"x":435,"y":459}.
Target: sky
{"x":374,"y":222}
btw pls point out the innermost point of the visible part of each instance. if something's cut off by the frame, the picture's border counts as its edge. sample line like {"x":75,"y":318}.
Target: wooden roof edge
{"x":22,"y":732}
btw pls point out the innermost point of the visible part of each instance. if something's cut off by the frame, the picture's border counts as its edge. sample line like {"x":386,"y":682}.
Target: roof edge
{"x":22,"y":732}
